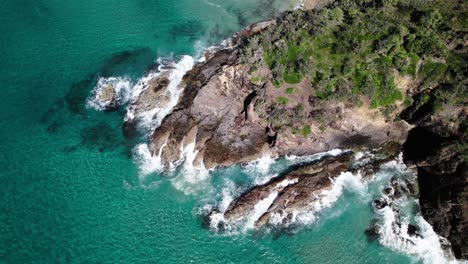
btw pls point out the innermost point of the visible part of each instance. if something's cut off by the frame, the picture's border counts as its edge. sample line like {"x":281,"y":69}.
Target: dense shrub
{"x":355,"y":48}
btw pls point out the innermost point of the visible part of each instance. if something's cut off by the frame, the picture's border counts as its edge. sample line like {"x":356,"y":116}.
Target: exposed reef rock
{"x":109,"y":93}
{"x":298,"y":189}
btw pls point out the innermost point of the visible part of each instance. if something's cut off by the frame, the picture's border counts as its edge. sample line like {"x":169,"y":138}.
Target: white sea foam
{"x":121,"y":87}
{"x":262,"y":171}
{"x":148,"y":163}
{"x":262,"y":206}
{"x":217,"y":6}
{"x":152,"y":118}
{"x":346,"y":180}
{"x":228,"y":192}
{"x":292,"y":159}
{"x":192,"y":177}
{"x":259,"y":209}
{"x":267,"y":167}
{"x":426,"y":248}
{"x":359,"y":155}
{"x":328,"y":197}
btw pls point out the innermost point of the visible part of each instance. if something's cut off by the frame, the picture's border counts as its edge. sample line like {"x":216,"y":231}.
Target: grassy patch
{"x":292,"y":77}
{"x":276,"y":83}
{"x":431,"y":72}
{"x":306,"y":130}
{"x":291,"y":90}
{"x":282,"y":100}
{"x":255,"y":79}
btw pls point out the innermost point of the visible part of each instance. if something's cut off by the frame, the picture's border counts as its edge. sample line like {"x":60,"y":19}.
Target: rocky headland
{"x":365,"y":76}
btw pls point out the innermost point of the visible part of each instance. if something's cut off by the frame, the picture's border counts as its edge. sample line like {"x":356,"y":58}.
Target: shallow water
{"x":71,"y":190}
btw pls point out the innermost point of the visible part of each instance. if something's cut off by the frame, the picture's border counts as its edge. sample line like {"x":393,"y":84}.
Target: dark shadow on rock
{"x":421,"y":143}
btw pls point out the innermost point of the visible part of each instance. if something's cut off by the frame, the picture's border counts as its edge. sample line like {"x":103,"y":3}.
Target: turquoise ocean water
{"x":70,"y":189}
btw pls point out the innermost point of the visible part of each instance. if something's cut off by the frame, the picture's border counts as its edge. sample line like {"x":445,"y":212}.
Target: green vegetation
{"x":306,"y":130}
{"x":431,"y":72}
{"x":291,"y":90}
{"x":299,"y":109}
{"x":282,"y":100}
{"x":277,"y":84}
{"x":253,"y":69}
{"x":356,"y":48}
{"x":255,"y":79}
{"x":292,"y":77}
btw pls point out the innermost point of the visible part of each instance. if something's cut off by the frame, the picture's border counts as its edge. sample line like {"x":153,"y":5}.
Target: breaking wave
{"x":262,"y":171}
{"x":110,"y":90}
{"x":152,"y":118}
{"x":395,"y":220}
{"x":426,"y":247}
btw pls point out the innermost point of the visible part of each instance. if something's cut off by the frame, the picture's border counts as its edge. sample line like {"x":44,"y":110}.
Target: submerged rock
{"x":413,"y":230}
{"x":372,"y":232}
{"x":380,"y":203}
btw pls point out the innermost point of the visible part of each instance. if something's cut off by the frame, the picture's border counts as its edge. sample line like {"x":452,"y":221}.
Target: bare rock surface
{"x":235,"y":121}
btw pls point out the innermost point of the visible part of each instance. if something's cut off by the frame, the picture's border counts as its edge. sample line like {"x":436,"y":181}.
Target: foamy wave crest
{"x":260,"y":170}
{"x":216,"y":217}
{"x":298,"y":159}
{"x":327,"y":198}
{"x":424,"y":245}
{"x":263,"y":170}
{"x":193,"y":176}
{"x":262,"y":206}
{"x":267,"y":167}
{"x":147,"y":161}
{"x":152,"y":118}
{"x":112,"y":91}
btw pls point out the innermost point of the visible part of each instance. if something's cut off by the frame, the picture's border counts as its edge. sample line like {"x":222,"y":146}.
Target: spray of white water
{"x":328,"y":197}
{"x":152,"y":118}
{"x":120,"y":86}
{"x":427,"y":247}
{"x":394,"y":219}
{"x":193,"y":176}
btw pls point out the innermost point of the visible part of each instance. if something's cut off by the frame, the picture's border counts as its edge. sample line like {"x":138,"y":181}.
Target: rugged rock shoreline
{"x":231,"y":110}
{"x":297,"y":189}
{"x":217,"y":111}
